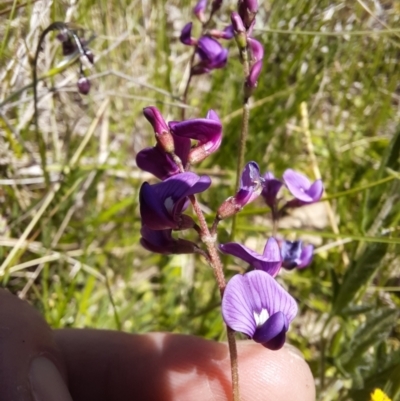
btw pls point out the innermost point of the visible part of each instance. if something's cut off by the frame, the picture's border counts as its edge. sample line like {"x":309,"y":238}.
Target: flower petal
{"x":316,"y":190}
{"x":274,"y":325}
{"x":298,"y":184}
{"x":152,"y":209}
{"x":250,"y":294}
{"x":157,"y":162}
{"x":306,"y":256}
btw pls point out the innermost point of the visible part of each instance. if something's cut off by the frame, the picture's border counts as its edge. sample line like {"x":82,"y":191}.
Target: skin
{"x":41,"y":364}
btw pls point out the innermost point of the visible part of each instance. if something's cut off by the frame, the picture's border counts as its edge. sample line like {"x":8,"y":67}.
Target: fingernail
{"x":46,"y":381}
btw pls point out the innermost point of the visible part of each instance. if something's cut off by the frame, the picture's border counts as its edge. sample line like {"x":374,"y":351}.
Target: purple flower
{"x":161,"y":241}
{"x":256,"y":305}
{"x":257,"y":49}
{"x":186,"y":35}
{"x":161,"y":205}
{"x":270,"y":261}
{"x":199,"y":8}
{"x":302,"y":189}
{"x":212,"y":55}
{"x":207,"y":131}
{"x":249,"y":189}
{"x":294,"y":254}
{"x":270,"y":189}
{"x":157,"y":160}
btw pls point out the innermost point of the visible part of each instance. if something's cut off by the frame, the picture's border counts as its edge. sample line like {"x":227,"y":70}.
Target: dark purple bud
{"x":247,"y":10}
{"x":302,"y":189}
{"x":257,"y":306}
{"x":257,"y":49}
{"x":161,"y":241}
{"x":294,"y":254}
{"x":270,"y":189}
{"x":207,"y":131}
{"x":199,"y":8}
{"x":249,"y":189}
{"x":83,"y":85}
{"x":270,"y":261}
{"x":186,"y":35}
{"x":162,"y":204}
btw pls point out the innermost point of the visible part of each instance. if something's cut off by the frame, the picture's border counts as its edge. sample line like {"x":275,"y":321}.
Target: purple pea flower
{"x":270,"y":189}
{"x":270,"y":261}
{"x":257,"y":49}
{"x":256,"y":305}
{"x":186,"y":35}
{"x":207,"y":131}
{"x":157,"y":160}
{"x":249,"y":189}
{"x":162,"y":204}
{"x":161,"y":241}
{"x":212,"y":55}
{"x":294,"y":254}
{"x":302,"y":189}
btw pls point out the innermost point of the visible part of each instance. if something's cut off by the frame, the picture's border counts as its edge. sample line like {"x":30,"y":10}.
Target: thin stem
{"x":244,"y":129}
{"x":186,"y":91}
{"x":234,"y":363}
{"x":209,"y":239}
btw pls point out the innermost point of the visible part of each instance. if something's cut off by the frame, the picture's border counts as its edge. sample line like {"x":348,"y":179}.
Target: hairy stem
{"x":209,"y":239}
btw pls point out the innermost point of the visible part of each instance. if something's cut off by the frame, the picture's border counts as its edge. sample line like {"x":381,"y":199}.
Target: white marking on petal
{"x":169,"y":204}
{"x":261,"y":318}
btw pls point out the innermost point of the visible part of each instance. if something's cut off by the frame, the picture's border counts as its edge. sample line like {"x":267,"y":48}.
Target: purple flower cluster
{"x":254,"y":303}
{"x":253,"y":184}
{"x":210,"y":53}
{"x":162,"y":204}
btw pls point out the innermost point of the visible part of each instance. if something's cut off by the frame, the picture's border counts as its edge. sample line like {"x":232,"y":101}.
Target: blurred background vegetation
{"x":328,"y":101}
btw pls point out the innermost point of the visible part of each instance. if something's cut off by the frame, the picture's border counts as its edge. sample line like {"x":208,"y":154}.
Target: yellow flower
{"x":379,"y":395}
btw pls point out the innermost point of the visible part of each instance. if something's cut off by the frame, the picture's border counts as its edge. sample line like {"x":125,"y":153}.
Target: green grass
{"x":77,"y":257}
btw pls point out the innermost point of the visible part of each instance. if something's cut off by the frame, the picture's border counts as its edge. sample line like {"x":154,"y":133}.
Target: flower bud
{"x":247,"y":10}
{"x":83,"y":85}
{"x":240,"y":30}
{"x":251,"y":81}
